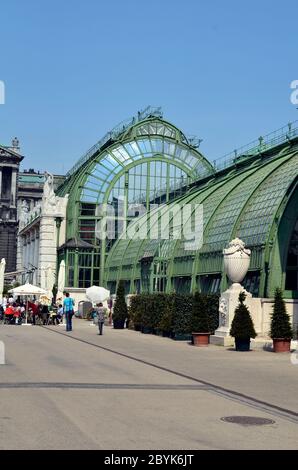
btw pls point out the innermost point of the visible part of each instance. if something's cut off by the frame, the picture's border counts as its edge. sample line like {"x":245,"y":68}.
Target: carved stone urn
{"x":236,"y":263}
{"x":236,"y":260}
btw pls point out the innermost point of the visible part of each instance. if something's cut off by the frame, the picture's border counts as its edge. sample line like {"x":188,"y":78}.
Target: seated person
{"x":16,"y":315}
{"x":9,"y":312}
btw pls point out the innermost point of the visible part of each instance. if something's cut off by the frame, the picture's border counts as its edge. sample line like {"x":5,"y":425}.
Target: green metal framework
{"x":140,"y":162}
{"x":256,"y":199}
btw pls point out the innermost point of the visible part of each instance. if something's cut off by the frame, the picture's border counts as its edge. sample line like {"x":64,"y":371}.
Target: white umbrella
{"x":2,"y":271}
{"x":97,"y":294}
{"x":61,"y":279}
{"x":26,"y":290}
{"x":50,"y":281}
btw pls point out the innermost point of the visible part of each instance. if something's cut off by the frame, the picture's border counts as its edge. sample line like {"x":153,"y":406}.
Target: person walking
{"x":100,"y":312}
{"x":33,"y":308}
{"x":68,"y":304}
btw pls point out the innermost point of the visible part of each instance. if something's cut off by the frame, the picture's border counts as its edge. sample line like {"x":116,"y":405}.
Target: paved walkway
{"x":125,"y":390}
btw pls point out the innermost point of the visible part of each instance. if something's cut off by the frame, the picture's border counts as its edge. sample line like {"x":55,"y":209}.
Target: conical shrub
{"x":120,"y":308}
{"x":280,"y":320}
{"x":200,"y":322}
{"x":242,"y":325}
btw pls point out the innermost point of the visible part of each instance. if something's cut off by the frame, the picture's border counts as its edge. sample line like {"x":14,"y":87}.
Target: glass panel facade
{"x":182,"y":284}
{"x":118,"y":157}
{"x":292,"y":262}
{"x":242,"y":202}
{"x":210,"y":283}
{"x":261,"y":209}
{"x":251,"y":282}
{"x":152,"y":162}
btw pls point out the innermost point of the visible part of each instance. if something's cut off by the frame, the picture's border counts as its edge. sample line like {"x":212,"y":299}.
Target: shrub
{"x":182,"y":312}
{"x":280,"y":320}
{"x":212,"y":301}
{"x":120,"y":307}
{"x":154,"y":308}
{"x":135,"y":313}
{"x":200,"y":321}
{"x":242,"y":325}
{"x":166,"y":321}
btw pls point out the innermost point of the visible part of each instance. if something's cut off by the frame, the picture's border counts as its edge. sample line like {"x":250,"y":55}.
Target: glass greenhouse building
{"x":251,"y":194}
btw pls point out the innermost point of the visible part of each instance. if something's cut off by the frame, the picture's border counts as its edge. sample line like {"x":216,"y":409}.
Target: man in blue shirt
{"x":68,"y":305}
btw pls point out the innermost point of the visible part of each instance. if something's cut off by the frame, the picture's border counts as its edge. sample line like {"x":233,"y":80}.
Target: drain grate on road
{"x":247,"y":420}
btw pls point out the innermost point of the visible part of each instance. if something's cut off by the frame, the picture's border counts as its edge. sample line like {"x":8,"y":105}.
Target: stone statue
{"x":36,"y":210}
{"x":49,"y":198}
{"x":24,"y":212}
{"x":223,"y":310}
{"x":48,"y":189}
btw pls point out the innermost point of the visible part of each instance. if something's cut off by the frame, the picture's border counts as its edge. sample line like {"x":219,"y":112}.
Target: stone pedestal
{"x":227,"y":304}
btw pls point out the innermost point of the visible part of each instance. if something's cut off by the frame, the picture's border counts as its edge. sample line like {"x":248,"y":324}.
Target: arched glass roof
{"x":120,"y":156}
{"x":147,"y":140}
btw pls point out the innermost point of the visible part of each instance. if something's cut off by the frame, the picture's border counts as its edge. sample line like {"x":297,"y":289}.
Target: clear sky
{"x":73,"y":69}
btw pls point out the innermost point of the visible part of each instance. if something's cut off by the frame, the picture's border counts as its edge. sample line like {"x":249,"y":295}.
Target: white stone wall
{"x":260,"y":310}
{"x":77,"y":294}
{"x":47,"y":247}
{"x":37,"y":240}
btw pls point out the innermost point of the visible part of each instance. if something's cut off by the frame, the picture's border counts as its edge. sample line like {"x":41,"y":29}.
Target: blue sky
{"x":74,"y":69}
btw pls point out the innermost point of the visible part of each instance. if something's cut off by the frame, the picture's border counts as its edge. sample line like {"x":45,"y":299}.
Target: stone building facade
{"x":41,"y":232}
{"x":10,"y":160}
{"x":19,"y":191}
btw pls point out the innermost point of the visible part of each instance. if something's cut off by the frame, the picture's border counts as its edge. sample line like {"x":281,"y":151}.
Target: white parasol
{"x":50,"y":281}
{"x":97,"y":294}
{"x":2,"y":271}
{"x":61,"y":279}
{"x":26,"y":290}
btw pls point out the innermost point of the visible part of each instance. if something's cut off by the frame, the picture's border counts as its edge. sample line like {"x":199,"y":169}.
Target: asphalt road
{"x":125,"y":390}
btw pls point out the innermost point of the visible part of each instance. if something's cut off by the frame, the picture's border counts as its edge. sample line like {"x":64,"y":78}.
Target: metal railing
{"x":262,"y":144}
{"x":114,"y":133}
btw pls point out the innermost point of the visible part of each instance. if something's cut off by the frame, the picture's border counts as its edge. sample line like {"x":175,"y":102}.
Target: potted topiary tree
{"x":281,"y":331}
{"x":242,"y":328}
{"x":120,"y":307}
{"x":200,"y":321}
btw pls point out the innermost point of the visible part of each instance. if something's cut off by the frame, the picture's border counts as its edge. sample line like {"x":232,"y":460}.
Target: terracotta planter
{"x":281,"y":345}
{"x":201,"y":339}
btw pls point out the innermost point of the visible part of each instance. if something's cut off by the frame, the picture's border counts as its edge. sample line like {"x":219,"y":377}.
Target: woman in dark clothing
{"x":45,"y":314}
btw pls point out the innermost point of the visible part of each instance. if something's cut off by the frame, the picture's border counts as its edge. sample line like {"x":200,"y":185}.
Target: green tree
{"x":120,"y":308}
{"x":242,"y":325}
{"x":280,"y":320}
